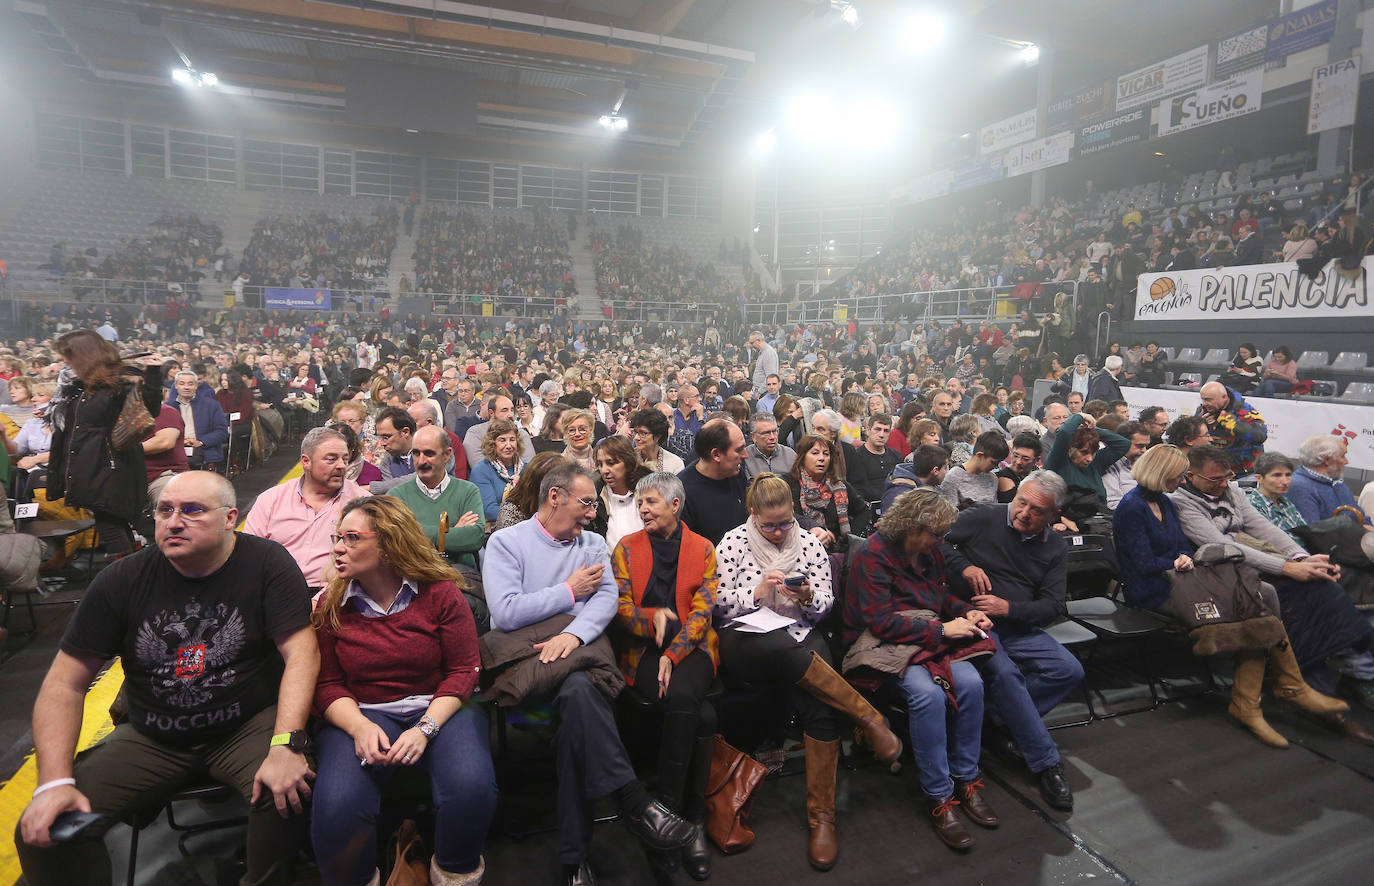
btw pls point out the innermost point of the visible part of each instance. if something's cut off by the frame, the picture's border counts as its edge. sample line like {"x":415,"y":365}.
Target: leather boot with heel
{"x":1245,"y":698}
{"x":826,"y":684}
{"x":822,"y":758}
{"x":1290,"y":686}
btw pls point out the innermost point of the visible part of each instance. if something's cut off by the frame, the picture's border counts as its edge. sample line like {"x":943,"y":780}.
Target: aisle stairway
{"x":403,"y":257}
{"x":245,"y":210}
{"x":584,"y":269}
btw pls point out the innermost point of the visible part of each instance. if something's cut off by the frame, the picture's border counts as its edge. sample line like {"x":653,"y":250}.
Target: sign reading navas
{"x":1253,"y":292}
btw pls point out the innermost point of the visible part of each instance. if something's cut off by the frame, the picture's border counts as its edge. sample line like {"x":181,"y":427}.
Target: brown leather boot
{"x":1290,"y":686}
{"x":1245,"y":698}
{"x":947,"y":825}
{"x":822,"y":681}
{"x":821,"y":758}
{"x":976,"y":806}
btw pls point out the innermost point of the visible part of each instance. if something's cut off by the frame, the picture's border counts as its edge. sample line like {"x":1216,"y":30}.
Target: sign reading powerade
{"x":309,"y":299}
{"x":1123,"y":129}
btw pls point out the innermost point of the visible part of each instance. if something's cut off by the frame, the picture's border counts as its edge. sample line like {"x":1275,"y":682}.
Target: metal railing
{"x":991,"y":303}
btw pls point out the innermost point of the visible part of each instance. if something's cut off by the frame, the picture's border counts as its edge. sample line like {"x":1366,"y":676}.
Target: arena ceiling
{"x":688,"y":74}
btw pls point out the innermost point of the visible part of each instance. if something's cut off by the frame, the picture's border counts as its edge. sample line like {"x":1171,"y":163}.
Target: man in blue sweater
{"x":1317,"y":488}
{"x":547,"y":566}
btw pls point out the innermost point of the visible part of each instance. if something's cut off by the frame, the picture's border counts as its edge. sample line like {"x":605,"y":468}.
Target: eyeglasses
{"x":1230,"y":475}
{"x":350,"y":539}
{"x":577,"y":431}
{"x":191,"y":513}
{"x":587,"y":503}
{"x":778,"y":527}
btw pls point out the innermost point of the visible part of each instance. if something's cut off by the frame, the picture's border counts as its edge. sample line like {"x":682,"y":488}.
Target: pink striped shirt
{"x":281,"y":514}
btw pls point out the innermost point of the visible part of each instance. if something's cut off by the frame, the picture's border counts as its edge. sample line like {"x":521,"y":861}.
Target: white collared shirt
{"x":368,"y":608}
{"x":436,"y":491}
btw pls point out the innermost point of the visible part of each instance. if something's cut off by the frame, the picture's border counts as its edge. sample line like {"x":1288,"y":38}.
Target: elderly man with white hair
{"x":1106,"y":385}
{"x":549,"y":392}
{"x":1318,"y":489}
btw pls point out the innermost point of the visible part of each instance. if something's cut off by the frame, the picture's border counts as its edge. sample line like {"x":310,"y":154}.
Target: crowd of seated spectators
{"x":912,"y":502}
{"x":319,"y":251}
{"x":630,"y":270}
{"x":472,"y":254}
{"x":181,"y":251}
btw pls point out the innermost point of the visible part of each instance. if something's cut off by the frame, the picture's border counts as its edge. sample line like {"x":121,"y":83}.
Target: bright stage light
{"x":182,"y":76}
{"x":765,"y":142}
{"x":924,"y":31}
{"x":1030,"y":54}
{"x":850,"y":15}
{"x":208,"y":78}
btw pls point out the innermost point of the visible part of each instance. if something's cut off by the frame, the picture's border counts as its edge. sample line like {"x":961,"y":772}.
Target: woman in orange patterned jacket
{"x":668,"y":650}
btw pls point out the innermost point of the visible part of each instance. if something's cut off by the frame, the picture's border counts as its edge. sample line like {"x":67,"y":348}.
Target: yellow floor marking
{"x":95,"y":725}
{"x":15,"y":794}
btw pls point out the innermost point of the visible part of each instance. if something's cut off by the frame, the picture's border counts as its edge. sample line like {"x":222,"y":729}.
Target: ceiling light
{"x":1030,"y":54}
{"x":412,"y":130}
{"x":765,"y":142}
{"x":621,"y":124}
{"x":849,"y":15}
{"x":208,"y":78}
{"x":182,"y":76}
{"x":924,"y":31}
{"x":613,"y":122}
{"x":192,"y":77}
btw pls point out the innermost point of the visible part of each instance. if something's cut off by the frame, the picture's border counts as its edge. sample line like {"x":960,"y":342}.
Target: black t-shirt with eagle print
{"x":199,"y":654}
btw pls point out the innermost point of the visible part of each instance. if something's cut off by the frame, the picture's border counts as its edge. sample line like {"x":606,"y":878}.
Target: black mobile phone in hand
{"x":74,"y":825}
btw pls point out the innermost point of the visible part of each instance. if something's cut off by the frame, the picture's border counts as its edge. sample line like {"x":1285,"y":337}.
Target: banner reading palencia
{"x":1278,"y":291}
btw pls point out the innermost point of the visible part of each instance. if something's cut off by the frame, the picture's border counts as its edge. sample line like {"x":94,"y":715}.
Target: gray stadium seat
{"x":1217,"y":357}
{"x":1313,"y":360}
{"x":1358,"y":392}
{"x":1190,"y":355}
{"x":1350,"y":361}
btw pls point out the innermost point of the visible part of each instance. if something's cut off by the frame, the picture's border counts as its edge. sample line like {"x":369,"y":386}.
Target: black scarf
{"x":661,"y":591}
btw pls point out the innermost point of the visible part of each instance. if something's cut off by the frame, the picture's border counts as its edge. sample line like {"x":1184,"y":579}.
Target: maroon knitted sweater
{"x":429,"y":648}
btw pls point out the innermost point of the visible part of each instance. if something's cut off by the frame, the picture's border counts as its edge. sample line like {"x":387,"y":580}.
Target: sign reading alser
{"x":1253,"y":292}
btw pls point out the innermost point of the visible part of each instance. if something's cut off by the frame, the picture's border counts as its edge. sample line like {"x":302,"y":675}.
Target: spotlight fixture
{"x":846,"y":11}
{"x":192,"y":77}
{"x":613,"y":122}
{"x":1030,"y":54}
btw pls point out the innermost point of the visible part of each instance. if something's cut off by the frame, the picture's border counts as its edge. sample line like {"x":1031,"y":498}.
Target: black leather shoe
{"x":579,"y":876}
{"x":1001,"y":744}
{"x":696,"y":855}
{"x":1054,"y":787}
{"x":659,"y":828}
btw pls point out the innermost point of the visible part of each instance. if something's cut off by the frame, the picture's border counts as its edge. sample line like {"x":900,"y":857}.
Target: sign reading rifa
{"x":1252,"y":292}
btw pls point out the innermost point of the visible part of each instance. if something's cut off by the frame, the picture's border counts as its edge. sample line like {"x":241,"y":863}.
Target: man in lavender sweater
{"x":546,"y":566}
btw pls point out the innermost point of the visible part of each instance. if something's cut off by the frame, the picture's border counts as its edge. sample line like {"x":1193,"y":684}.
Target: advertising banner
{"x":1212,"y":104}
{"x":309,"y":299}
{"x":977,"y":172}
{"x":1187,"y":70}
{"x":1123,"y":129}
{"x":1089,"y":103}
{"x":1335,"y":96}
{"x":1277,"y":291}
{"x":1313,"y":26}
{"x":1241,"y":52}
{"x":1039,"y":154}
{"x":997,"y":137}
{"x":1289,"y":422}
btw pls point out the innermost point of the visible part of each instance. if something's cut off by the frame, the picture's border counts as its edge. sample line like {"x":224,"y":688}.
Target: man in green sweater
{"x":432,"y":492}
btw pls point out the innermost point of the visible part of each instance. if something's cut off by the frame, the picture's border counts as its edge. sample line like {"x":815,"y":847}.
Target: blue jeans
{"x":1271,"y":386}
{"x":1029,"y":674}
{"x":944,"y":741}
{"x":348,"y":797}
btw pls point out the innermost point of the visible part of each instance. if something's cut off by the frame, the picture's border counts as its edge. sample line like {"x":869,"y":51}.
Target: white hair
{"x":1020,"y":424}
{"x":1317,"y":449}
{"x":1113,"y":362}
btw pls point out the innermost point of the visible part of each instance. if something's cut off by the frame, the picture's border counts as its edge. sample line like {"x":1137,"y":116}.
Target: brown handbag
{"x":134,"y":421}
{"x":410,"y":861}
{"x":735,"y":776}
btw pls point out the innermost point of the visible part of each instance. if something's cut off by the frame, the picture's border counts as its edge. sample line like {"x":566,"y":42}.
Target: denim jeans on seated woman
{"x":944,"y":756}
{"x":348,"y":797}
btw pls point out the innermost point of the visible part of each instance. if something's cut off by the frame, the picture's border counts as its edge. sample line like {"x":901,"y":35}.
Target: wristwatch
{"x":298,"y":741}
{"x":428,"y":728}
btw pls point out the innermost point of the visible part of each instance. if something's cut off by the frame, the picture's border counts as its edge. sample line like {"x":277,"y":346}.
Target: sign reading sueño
{"x":1276,"y":291}
{"x":1212,"y":104}
{"x":1187,"y":70}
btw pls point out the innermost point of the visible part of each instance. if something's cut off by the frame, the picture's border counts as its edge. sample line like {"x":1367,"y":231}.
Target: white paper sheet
{"x":761,"y":621}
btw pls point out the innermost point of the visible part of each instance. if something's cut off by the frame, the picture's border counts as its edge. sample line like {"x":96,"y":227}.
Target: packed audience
{"x":320,"y":251}
{"x":524,"y":510}
{"x":629,"y":270}
{"x":499,"y":257}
